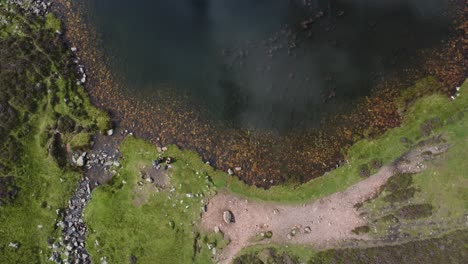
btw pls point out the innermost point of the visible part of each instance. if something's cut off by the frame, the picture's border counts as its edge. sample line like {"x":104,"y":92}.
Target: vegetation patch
{"x":162,"y":227}
{"x":361,"y":230}
{"x":450,"y":248}
{"x":399,"y":188}
{"x":415,"y":211}
{"x":36,"y":75}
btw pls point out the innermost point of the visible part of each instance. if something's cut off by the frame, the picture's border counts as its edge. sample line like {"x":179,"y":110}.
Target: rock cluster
{"x":103,"y":159}
{"x":36,"y":7}
{"x":71,"y":248}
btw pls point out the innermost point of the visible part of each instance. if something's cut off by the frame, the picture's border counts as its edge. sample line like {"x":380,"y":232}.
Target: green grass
{"x":127,"y":219}
{"x":40,"y":180}
{"x":53,"y":23}
{"x":444,"y":184}
{"x":44,"y":187}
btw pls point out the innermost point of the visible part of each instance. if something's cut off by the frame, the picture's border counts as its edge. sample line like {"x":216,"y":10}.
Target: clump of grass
{"x":376,"y":164}
{"x":388,"y":219}
{"x":361,"y":230}
{"x":415,"y":211}
{"x":364,"y":171}
{"x":399,"y":188}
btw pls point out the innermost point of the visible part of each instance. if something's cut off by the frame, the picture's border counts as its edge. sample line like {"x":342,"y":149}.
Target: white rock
{"x":74,"y":49}
{"x":13,"y":245}
{"x":110,"y":132}
{"x":80,"y":161}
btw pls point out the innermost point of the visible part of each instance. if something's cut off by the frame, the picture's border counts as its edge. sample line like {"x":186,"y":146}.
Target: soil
{"x":321,"y":224}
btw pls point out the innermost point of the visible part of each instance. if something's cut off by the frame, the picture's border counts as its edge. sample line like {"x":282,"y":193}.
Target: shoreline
{"x":229,"y":148}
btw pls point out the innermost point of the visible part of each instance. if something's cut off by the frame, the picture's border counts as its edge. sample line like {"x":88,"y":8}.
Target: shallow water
{"x":266,"y":64}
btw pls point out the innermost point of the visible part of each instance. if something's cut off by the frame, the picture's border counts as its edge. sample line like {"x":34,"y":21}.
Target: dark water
{"x":267,"y":64}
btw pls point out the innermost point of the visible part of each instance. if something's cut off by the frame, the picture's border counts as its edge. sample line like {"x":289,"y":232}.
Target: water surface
{"x":267,"y":64}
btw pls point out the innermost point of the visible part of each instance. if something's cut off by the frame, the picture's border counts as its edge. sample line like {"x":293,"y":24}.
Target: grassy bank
{"x":436,"y":199}
{"x":132,"y":217}
{"x":384,"y":148}
{"x":416,"y":208}
{"x":42,"y":110}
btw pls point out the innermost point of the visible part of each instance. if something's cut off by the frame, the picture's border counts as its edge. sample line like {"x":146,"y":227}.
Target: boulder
{"x":228,"y":217}
{"x":80,"y":162}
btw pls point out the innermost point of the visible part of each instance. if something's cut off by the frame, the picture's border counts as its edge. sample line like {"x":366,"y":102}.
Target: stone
{"x":80,"y":162}
{"x":73,"y":49}
{"x":13,"y":245}
{"x":110,"y":132}
{"x":238,"y":168}
{"x":230,"y":172}
{"x":307,"y":229}
{"x":216,"y":229}
{"x":228,"y":217}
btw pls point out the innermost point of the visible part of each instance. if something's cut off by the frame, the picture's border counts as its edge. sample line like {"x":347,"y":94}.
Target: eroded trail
{"x":321,"y":223}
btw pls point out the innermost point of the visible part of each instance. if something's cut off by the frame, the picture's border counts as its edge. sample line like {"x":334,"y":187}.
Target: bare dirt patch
{"x":321,"y":224}
{"x":151,"y":181}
